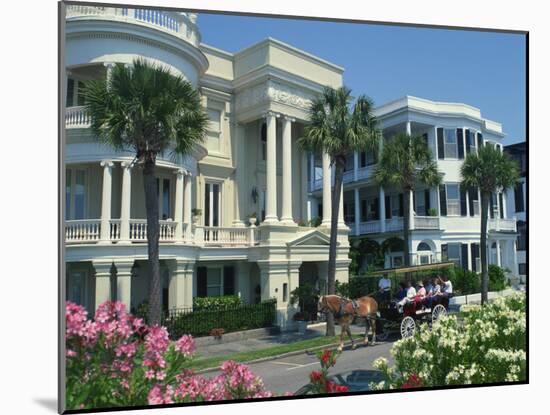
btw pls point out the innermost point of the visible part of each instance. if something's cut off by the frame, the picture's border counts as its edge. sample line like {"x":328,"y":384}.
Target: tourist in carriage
{"x":446,"y":288}
{"x":432,"y":292}
{"x":409,"y":297}
{"x":420,"y":292}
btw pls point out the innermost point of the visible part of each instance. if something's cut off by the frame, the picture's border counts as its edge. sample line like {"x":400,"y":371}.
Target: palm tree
{"x":339,"y":127}
{"x":145,"y":108}
{"x":491,"y":171}
{"x":406,"y":162}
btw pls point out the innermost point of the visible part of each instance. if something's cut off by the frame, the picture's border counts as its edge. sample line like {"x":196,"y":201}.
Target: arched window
{"x":423,"y":246}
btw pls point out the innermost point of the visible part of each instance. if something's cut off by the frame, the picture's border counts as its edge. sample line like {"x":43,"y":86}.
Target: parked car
{"x":355,"y":380}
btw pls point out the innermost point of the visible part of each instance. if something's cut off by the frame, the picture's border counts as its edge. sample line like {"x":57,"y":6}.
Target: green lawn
{"x":211,"y":362}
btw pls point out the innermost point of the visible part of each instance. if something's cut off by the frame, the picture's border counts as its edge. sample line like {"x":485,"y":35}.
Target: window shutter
{"x":440,"y":146}
{"x":518,"y":197}
{"x":479,"y":140}
{"x":475,"y":254}
{"x":442,"y":200}
{"x":70,"y":92}
{"x":388,"y":207}
{"x":201,"y":281}
{"x":463,"y":209}
{"x":427,"y":200}
{"x":468,"y":141}
{"x":460,"y":142}
{"x":228,"y":280}
{"x":363,"y":158}
{"x":492,"y":207}
{"x":414,"y":201}
{"x":471,"y":193}
{"x":464,"y":256}
{"x":401,"y":208}
{"x":363,"y":210}
{"x":501,"y":205}
{"x":444,"y":253}
{"x":376,"y":208}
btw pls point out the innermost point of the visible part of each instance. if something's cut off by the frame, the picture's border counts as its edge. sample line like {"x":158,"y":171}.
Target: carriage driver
{"x":384,"y":289}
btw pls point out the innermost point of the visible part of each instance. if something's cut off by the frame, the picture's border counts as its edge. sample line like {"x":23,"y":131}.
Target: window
{"x":70,"y":92}
{"x":285,"y":292}
{"x":214,"y":130}
{"x":423,"y":246}
{"x":163,"y":194}
{"x":214,"y":282}
{"x":396,"y":261}
{"x":420,"y":203}
{"x":395,"y":209}
{"x":453,"y":253}
{"x":76,"y":288}
{"x":522,"y":268}
{"x":371,"y":209}
{"x":453,"y":199}
{"x":450,"y":143}
{"x":424,"y":253}
{"x":212,"y":196}
{"x":518,"y":198}
{"x":75,"y":194}
{"x":522,"y":237}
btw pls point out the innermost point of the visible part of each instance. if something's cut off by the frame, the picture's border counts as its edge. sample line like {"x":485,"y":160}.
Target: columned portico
{"x":180,"y":288}
{"x":286,"y":216}
{"x":124,"y":282}
{"x":327,"y":205}
{"x":187,"y":202}
{"x":106,"y":201}
{"x":125,"y":203}
{"x":271,"y":169}
{"x":178,"y":204}
{"x":102,"y":281}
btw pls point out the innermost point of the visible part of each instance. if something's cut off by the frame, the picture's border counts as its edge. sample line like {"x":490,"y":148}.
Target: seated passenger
{"x":409,"y":298}
{"x":447,"y":288}
{"x":420,"y":292}
{"x":402,"y":293}
{"x":434,"y":291}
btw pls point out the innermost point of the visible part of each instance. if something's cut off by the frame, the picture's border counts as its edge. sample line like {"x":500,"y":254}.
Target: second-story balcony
{"x":502,"y":225}
{"x":395,"y":225}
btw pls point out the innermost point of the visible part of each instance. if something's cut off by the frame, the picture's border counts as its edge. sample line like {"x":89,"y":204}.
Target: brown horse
{"x":344,"y":310}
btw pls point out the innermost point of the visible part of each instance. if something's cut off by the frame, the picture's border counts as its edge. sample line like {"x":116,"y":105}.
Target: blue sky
{"x":486,"y":70}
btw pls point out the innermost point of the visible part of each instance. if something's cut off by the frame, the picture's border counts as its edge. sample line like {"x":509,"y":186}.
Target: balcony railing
{"x":370,"y":227}
{"x":181,"y":25}
{"x":505,"y":225}
{"x":394,"y":224}
{"x":76,"y":117}
{"x":426,"y":222}
{"x":89,"y":231}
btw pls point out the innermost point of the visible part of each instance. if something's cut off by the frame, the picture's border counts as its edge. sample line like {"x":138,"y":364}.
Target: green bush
{"x":216,"y":303}
{"x":464,"y":281}
{"x":201,"y":323}
{"x":497,"y":278}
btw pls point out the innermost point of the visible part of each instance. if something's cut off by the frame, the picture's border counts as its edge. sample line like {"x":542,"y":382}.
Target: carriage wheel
{"x":408,"y":327}
{"x":438,"y":311}
{"x":384,"y":332}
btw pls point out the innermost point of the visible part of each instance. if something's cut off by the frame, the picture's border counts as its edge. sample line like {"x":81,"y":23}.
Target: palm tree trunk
{"x":331,"y":277}
{"x":406,"y":232}
{"x":483,"y":246}
{"x":152,"y":210}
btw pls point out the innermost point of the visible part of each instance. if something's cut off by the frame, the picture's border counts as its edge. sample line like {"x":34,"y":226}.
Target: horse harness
{"x":341,"y":309}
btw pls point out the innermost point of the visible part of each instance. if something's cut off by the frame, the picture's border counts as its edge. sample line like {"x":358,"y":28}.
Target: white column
{"x":467,"y":203}
{"x":102,"y":281}
{"x":109,"y":66}
{"x":180,"y":288}
{"x":408,"y":128}
{"x":327,"y":206}
{"x":106,"y":201}
{"x":312,"y":171}
{"x":382,"y":208}
{"x":239,"y":184}
{"x":355,"y":165}
{"x":124,"y":282}
{"x":304,"y":187}
{"x":178,"y":204}
{"x":271,"y":169}
{"x":504,"y":207}
{"x":411,"y":211}
{"x":286,"y":214}
{"x":341,"y":222}
{"x":357,"y":212}
{"x":499,"y":262}
{"x":125,"y":203}
{"x":187,"y":199}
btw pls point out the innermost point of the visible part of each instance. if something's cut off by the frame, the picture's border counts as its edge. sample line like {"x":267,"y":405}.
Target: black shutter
{"x":468,"y":141}
{"x":518,"y":197}
{"x":492,"y":207}
{"x":472,"y":195}
{"x":363,"y":159}
{"x":442,"y":200}
{"x":388,"y":207}
{"x":479,"y":140}
{"x":475,"y":254}
{"x":464,"y":256}
{"x":444,"y":253}
{"x":460,"y":141}
{"x":425,"y":137}
{"x":414,"y":201}
{"x":70,"y":92}
{"x":228,"y":280}
{"x":427,"y":200}
{"x":440,"y":146}
{"x":463,"y":210}
{"x":501,"y":204}
{"x":363,"y":211}
{"x":376,"y":208}
{"x":401,"y":208}
{"x":201,"y":282}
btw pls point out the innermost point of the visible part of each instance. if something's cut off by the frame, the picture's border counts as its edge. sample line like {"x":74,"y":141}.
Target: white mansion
{"x":257,"y":100}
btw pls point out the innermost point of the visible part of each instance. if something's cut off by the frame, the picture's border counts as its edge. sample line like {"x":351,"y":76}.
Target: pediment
{"x":313,"y":238}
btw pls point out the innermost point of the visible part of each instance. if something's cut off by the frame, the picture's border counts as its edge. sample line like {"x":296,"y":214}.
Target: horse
{"x":344,"y":310}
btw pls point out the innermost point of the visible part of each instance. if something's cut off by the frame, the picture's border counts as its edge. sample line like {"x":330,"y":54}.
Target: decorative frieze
{"x":273,"y":91}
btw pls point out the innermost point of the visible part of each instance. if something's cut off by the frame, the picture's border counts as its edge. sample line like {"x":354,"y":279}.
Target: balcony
{"x":502,"y":225}
{"x":181,"y":25}
{"x":426,"y":222}
{"x":76,"y":117}
{"x":88,"y":231}
{"x":394,"y":225}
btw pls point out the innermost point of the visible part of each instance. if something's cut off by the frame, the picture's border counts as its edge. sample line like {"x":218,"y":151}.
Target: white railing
{"x":394,"y":224}
{"x":453,"y":208}
{"x":364,"y":173}
{"x":167,"y":230}
{"x":214,"y":235}
{"x":138,"y":230}
{"x":426,"y":222}
{"x":507,"y":225}
{"x":76,"y":117}
{"x":348,"y":176}
{"x":369,"y":227}
{"x":114,"y":231}
{"x":78,"y":231}
{"x":181,"y":25}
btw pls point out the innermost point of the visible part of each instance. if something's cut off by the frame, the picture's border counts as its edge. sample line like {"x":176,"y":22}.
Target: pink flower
{"x":160,"y":395}
{"x":185,"y":345}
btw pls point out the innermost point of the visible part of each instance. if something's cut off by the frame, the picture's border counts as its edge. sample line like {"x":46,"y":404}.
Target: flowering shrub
{"x":319,"y":380}
{"x":488,"y":346}
{"x":117,"y":360}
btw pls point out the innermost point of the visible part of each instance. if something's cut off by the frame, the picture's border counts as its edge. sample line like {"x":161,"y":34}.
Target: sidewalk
{"x":267,"y":341}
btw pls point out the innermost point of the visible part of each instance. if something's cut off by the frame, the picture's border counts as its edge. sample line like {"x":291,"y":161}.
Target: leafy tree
{"x":339,"y":127}
{"x":491,"y":171}
{"x":405,"y":163}
{"x":147,"y":109}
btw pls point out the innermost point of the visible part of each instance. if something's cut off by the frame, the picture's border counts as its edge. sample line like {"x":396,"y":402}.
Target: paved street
{"x":290,"y":373}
